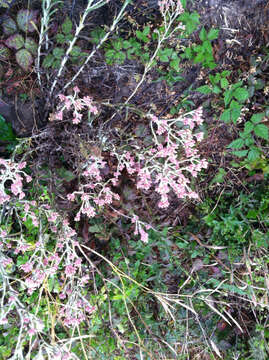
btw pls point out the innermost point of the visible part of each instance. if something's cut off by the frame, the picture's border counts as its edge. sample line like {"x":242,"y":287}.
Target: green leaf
{"x":15,"y":42}
{"x":58,"y":53}
{"x":240,"y":153}
{"x":213,"y":34}
{"x":126,"y":44}
{"x":24,"y":59}
{"x":48,"y":61}
{"x":67,"y":26}
{"x":26,"y":18}
{"x":253,"y":155}
{"x":235,"y":114}
{"x":257,"y":118}
{"x":146,"y":30}
{"x":31,"y":45}
{"x":174,"y":64}
{"x":226,"y":116}
{"x":9,"y":26}
{"x":216,"y":90}
{"x":248,"y":127}
{"x":261,"y":130}
{"x":205,"y":89}
{"x":117,"y":44}
{"x":60,"y":38}
{"x":228,"y":97}
{"x":6,"y":131}
{"x":203,"y":34}
{"x":240,"y":94}
{"x":224,"y":83}
{"x":237,"y":144}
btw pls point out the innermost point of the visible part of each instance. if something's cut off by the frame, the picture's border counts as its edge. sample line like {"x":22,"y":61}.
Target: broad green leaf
{"x":203,"y":34}
{"x":24,"y":59}
{"x":205,"y":89}
{"x":15,"y":42}
{"x":224,"y":83}
{"x":248,"y":127}
{"x":240,"y":94}
{"x":31,"y":45}
{"x":4,"y":53}
{"x":240,"y":153}
{"x":261,"y":130}
{"x":257,"y":118}
{"x":213,"y":34}
{"x":174,"y":64}
{"x":216,"y":90}
{"x":253,"y":155}
{"x":227,"y":97}
{"x":58,"y":52}
{"x":235,"y":114}
{"x":236,"y":144}
{"x":6,"y":131}
{"x":60,"y":38}
{"x":9,"y":26}
{"x":26,"y":18}
{"x":226,"y":116}
{"x":67,"y":26}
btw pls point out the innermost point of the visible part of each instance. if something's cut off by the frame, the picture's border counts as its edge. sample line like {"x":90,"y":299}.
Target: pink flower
{"x":71,"y":197}
{"x":76,"y":89}
{"x":59,"y":115}
{"x":143,"y":234}
{"x":70,"y":270}
{"x":21,"y":165}
{"x":53,"y":217}
{"x":27,"y":267}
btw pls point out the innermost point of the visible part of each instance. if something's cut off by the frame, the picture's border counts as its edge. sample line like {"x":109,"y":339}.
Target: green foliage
{"x":24,"y":46}
{"x":7,"y":135}
{"x":203,"y":53}
{"x":243,"y":220}
{"x":245,"y":145}
{"x":63,"y":37}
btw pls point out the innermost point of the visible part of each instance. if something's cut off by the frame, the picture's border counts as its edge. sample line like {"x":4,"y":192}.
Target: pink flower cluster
{"x":173,"y":6}
{"x":164,"y":165}
{"x":75,"y":311}
{"x":76,"y":104}
{"x":13,"y":172}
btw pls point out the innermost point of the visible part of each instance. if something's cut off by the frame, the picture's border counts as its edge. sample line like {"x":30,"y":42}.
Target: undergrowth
{"x":119,"y":238}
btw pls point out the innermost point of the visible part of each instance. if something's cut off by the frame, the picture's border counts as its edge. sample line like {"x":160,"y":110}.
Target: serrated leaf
{"x":15,"y":42}
{"x":60,"y":38}
{"x":240,"y":153}
{"x":174,"y":64}
{"x":24,"y":59}
{"x":4,"y":52}
{"x":67,"y":26}
{"x":253,"y":155}
{"x":235,"y":114}
{"x":261,"y":130}
{"x":227,"y":97}
{"x":203,"y":34}
{"x":248,"y":127}
{"x":240,"y":94}
{"x":26,"y":18}
{"x":205,"y":89}
{"x":58,"y":52}
{"x":226,"y":116}
{"x":224,"y":83}
{"x":31,"y":45}
{"x":213,"y":34}
{"x":9,"y":26}
{"x":236,"y":144}
{"x":257,"y":118}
